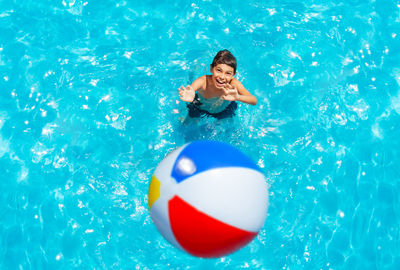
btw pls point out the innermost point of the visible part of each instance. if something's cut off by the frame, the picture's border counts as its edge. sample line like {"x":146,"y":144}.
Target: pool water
{"x":89,"y":106}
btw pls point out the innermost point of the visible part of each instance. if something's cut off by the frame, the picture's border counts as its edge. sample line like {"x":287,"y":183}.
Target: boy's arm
{"x":243,"y":94}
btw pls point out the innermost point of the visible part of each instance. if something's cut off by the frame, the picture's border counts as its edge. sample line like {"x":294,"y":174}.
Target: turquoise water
{"x":89,"y":106}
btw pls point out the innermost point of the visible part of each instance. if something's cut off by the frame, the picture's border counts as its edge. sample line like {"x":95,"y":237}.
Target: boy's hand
{"x":230,"y":93}
{"x":187,"y":93}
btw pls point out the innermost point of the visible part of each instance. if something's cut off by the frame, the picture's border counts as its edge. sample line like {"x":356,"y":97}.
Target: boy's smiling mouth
{"x":219,"y":83}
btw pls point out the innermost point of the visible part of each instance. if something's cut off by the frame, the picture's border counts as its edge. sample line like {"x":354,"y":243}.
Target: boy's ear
{"x":211,"y":68}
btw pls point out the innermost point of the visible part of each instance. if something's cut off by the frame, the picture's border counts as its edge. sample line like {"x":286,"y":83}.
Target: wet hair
{"x":225,"y":57}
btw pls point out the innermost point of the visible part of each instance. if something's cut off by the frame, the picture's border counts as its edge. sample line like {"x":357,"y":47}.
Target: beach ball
{"x":208,"y":198}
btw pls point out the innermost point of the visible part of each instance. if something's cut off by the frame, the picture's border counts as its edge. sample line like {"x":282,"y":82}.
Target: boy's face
{"x":222,"y":74}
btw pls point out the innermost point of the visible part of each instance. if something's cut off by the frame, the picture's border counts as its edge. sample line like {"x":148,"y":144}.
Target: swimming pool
{"x":89,"y":106}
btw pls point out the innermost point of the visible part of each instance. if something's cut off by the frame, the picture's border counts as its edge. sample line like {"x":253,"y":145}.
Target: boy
{"x":216,"y":94}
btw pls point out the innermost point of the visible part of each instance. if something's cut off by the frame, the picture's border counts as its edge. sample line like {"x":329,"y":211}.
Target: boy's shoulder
{"x":202,"y":78}
{"x":200,"y":83}
{"x":235,"y":82}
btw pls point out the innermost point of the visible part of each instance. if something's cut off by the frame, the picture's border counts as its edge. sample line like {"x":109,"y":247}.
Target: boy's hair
{"x":225,"y":57}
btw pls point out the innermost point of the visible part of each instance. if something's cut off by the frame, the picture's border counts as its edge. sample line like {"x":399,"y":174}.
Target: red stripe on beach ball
{"x":202,"y":235}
